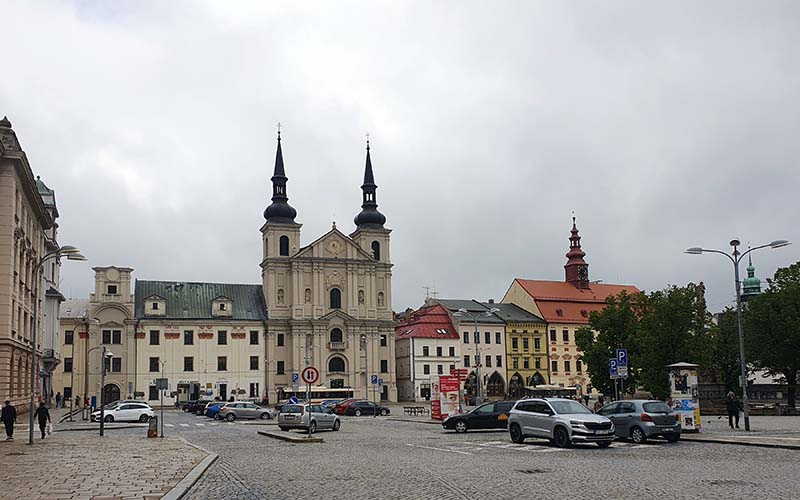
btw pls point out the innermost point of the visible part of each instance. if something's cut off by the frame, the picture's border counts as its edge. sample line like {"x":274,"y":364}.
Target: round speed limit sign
{"x":310,"y":375}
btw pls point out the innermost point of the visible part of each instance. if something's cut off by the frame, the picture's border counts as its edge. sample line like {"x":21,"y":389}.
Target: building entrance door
{"x":223,"y":392}
{"x":110,"y":393}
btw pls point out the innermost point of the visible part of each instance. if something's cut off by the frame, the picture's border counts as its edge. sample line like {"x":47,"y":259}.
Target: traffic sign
{"x":613,"y":368}
{"x":622,"y":357}
{"x":310,"y":375}
{"x":295,"y":377}
{"x":380,"y":381}
{"x":374,"y":380}
{"x":622,"y":371}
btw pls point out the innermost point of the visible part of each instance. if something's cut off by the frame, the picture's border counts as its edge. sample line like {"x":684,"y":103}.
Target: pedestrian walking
{"x":599,"y":403}
{"x":58,"y":400}
{"x":78,"y":401}
{"x":9,"y":417}
{"x":44,"y":417}
{"x":732,"y":404}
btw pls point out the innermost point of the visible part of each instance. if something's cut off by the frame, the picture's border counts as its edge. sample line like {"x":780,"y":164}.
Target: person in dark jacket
{"x":9,"y":416}
{"x":732,"y":404}
{"x":44,"y":417}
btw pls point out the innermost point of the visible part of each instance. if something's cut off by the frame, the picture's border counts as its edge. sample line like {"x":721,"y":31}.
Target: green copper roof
{"x":751,"y":285}
{"x":187,"y":300}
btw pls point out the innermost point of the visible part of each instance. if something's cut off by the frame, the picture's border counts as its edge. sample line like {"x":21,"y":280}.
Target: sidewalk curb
{"x":97,"y":429}
{"x":429,"y":422}
{"x":704,"y":439}
{"x":291,"y":439}
{"x":185,"y":484}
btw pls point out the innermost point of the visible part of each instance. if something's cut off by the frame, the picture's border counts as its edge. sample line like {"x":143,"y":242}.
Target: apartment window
{"x":107,"y":364}
{"x":439,"y":369}
{"x":222,"y":363}
{"x":116,"y":337}
{"x":154,"y":364}
{"x":222,"y":337}
{"x":67,"y":393}
{"x":566,"y":366}
{"x":515,"y":343}
{"x":554,"y":366}
{"x":69,"y":337}
{"x":466,"y":337}
{"x":466,"y":361}
{"x":525,"y":344}
{"x":152,"y":393}
{"x":426,"y":369}
{"x":477,"y":337}
{"x":488,"y":361}
{"x":106,"y":336}
{"x":537,"y":363}
{"x":526,"y":363}
{"x":280,"y":368}
{"x":254,"y":362}
{"x":452,"y":351}
{"x":498,"y":338}
{"x":154,"y":338}
{"x":384,"y":366}
{"x":112,"y":289}
{"x":188,"y":364}
{"x":579,"y":365}
{"x":438,"y":350}
{"x":498,"y":360}
{"x":188,"y":338}
{"x":487,"y":337}
{"x":383,"y":341}
{"x":452,"y":368}
{"x":537,"y":344}
{"x":253,"y":337}
{"x":67,"y":365}
{"x":116,"y":365}
{"x":565,"y":335}
{"x":279,"y":339}
{"x":425,"y":350}
{"x":553,"y":336}
{"x":514,"y":363}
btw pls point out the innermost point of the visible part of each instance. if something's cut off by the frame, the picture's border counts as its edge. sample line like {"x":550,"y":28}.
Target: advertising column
{"x":436,"y":408}
{"x":684,"y":396}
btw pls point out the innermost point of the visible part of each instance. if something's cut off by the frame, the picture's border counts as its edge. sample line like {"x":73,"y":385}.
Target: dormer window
{"x":155,"y":305}
{"x":222,"y":307}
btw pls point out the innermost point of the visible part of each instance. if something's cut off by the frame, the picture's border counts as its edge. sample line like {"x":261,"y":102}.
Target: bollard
{"x":152,"y":427}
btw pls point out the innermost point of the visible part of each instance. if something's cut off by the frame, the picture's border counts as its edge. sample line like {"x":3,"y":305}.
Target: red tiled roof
{"x":562,"y":302}
{"x":428,"y":322}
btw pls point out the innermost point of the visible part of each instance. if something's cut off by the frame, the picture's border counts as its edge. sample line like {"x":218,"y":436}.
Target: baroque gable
{"x":334,"y":245}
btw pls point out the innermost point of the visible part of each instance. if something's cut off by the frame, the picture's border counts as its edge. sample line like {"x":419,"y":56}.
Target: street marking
{"x":170,"y":425}
{"x":184,"y":425}
{"x":438,"y":449}
{"x":200,"y":425}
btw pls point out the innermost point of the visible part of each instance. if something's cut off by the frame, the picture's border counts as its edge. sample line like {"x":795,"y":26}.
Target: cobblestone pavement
{"x":713,"y":424}
{"x":82,"y":465}
{"x":384,"y":459}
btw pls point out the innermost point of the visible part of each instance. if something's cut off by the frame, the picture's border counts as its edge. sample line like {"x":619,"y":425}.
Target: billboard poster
{"x":449,"y":387}
{"x":436,"y":409}
{"x":683,"y":395}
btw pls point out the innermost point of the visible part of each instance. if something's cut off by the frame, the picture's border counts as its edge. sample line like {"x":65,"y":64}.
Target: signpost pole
{"x":308,"y":402}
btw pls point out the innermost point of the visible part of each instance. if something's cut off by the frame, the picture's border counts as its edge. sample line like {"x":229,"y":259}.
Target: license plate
{"x":666,"y":428}
{"x":603,"y":432}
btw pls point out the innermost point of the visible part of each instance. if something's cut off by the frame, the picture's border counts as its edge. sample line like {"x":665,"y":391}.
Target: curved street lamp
{"x":463,"y":313}
{"x":735,"y":257}
{"x":71,"y":253}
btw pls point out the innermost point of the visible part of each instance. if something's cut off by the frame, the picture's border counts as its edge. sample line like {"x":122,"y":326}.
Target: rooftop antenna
{"x":427,"y":292}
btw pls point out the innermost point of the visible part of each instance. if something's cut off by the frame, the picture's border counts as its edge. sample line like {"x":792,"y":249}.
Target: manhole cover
{"x":532,"y":471}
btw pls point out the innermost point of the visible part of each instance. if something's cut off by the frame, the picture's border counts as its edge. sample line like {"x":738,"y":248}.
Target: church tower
{"x":576,"y":269}
{"x":370,"y":234}
{"x":280,"y":240}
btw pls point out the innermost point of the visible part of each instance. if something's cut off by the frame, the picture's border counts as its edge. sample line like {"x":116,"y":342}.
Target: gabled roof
{"x":74,"y":309}
{"x":562,"y":302}
{"x":187,"y":300}
{"x":512,"y":313}
{"x":472,"y":306}
{"x":334,"y":231}
{"x":430,"y":322}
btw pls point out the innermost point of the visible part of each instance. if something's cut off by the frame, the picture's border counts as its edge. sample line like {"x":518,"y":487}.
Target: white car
{"x":126,"y":412}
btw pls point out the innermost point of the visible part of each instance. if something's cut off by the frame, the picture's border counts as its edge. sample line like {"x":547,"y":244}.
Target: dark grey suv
{"x":640,"y":419}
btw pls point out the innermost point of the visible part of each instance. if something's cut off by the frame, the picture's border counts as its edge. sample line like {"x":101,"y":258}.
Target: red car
{"x":341,"y":407}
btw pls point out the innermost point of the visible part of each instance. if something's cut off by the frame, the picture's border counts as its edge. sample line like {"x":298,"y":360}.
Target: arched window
{"x":336,"y":364}
{"x":336,"y":335}
{"x":284,"y":245}
{"x":336,"y":298}
{"x":376,"y":250}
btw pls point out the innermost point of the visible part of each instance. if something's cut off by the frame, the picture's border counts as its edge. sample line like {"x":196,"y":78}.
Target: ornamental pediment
{"x":334,"y":245}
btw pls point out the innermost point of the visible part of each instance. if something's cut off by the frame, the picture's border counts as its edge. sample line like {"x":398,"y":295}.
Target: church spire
{"x":576,"y":270}
{"x":279,"y":210}
{"x":751,"y":285}
{"x":369,"y":215}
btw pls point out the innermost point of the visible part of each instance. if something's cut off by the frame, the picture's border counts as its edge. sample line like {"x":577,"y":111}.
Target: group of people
{"x":9,"y":418}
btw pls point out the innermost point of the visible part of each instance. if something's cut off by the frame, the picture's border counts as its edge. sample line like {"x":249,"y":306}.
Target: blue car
{"x":213,"y":410}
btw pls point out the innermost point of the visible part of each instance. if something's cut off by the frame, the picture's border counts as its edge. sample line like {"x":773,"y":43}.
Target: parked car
{"x":199,"y":406}
{"x":212,"y":410}
{"x":118,"y":402}
{"x":563,"y":421}
{"x":297,"y":417}
{"x":340,"y":407}
{"x":358,"y":408}
{"x":127,"y":412}
{"x":486,"y":416}
{"x":278,"y":406}
{"x":641,"y":419}
{"x":243,"y":409}
{"x":187,"y":404}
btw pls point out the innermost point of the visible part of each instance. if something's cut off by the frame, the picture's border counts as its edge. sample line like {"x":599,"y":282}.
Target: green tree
{"x":615,"y":327}
{"x":772,"y":327}
{"x":721,"y":363}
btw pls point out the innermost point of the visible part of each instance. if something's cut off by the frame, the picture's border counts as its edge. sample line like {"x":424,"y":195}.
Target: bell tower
{"x":576,"y":270}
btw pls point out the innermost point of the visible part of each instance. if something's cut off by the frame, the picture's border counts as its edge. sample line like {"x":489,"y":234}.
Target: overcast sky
{"x":662,"y":125}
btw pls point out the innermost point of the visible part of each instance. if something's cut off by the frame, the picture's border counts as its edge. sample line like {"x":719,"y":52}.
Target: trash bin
{"x":152,"y":427}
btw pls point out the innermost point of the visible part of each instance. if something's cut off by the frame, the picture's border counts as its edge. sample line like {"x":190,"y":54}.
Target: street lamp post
{"x":463,"y":313}
{"x":736,"y":257}
{"x":71,"y":253}
{"x":106,"y":355}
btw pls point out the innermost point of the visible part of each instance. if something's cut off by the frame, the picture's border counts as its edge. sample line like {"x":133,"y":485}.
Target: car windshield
{"x":568,"y":407}
{"x":656,"y":407}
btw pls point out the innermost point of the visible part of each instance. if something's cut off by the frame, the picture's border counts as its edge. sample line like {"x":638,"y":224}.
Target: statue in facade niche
{"x":361,"y":297}
{"x":280,"y":296}
{"x":380,"y":299}
{"x":308,"y":295}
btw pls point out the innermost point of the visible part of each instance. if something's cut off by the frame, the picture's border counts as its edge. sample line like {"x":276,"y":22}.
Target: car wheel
{"x":673,"y":438}
{"x":384,"y":412}
{"x":516,"y":434}
{"x":144,"y":418}
{"x":638,"y":436}
{"x":109,"y":418}
{"x":230,"y":417}
{"x":604,"y":444}
{"x":313,"y":427}
{"x":336,"y":425}
{"x":461,"y":426}
{"x":357,"y":413}
{"x":265,"y":416}
{"x":561,"y":438}
{"x":216,"y":416}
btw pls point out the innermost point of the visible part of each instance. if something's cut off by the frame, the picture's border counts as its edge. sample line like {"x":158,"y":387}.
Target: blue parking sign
{"x":622,"y":357}
{"x":374,"y":380}
{"x":380,"y":381}
{"x":613,"y":369}
{"x":295,"y":377}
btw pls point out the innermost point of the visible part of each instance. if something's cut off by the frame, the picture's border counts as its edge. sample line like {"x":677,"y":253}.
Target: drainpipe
{"x":135,"y":357}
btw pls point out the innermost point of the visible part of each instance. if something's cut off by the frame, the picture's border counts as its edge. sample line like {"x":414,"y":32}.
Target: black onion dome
{"x":369,"y":215}
{"x":279,"y":210}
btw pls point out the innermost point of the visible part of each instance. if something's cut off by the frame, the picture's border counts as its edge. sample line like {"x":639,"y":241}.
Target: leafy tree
{"x":615,"y":326}
{"x":772,"y":327}
{"x":721,"y":362}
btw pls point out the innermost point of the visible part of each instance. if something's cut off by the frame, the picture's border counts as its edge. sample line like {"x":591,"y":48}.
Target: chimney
{"x":491,"y":301}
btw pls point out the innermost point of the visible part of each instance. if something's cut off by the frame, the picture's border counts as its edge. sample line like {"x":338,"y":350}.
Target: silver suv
{"x":563,"y":421}
{"x":243,"y":409}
